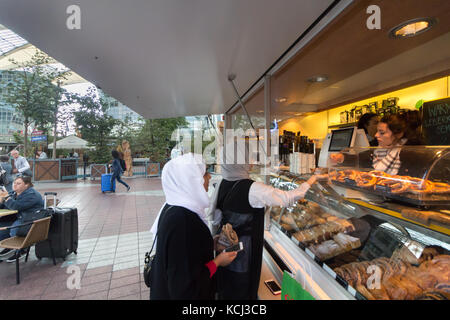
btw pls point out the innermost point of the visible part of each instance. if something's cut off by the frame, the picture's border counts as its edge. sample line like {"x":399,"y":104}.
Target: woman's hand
{"x":225,"y":258}
{"x":337,"y":157}
{"x":317,"y":177}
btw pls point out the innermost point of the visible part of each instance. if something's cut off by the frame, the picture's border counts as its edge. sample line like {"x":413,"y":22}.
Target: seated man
{"x":27,"y":201}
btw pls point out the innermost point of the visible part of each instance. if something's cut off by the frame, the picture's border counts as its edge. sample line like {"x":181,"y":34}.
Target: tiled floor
{"x":113,"y":238}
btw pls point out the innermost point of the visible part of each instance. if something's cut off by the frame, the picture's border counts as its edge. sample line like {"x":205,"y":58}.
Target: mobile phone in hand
{"x":237,"y":247}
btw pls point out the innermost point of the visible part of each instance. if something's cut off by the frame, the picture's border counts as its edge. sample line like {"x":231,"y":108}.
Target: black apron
{"x":240,"y":279}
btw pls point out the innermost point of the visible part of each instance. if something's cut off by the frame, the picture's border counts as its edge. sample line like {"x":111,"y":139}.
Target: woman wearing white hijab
{"x":240,"y":202}
{"x":184,"y":263}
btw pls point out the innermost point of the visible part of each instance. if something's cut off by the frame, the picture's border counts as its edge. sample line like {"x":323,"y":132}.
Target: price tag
{"x":351,"y":290}
{"x":331,"y":272}
{"x":309,"y":253}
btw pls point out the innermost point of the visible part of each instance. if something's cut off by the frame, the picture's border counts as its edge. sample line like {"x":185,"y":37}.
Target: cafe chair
{"x":37,"y":233}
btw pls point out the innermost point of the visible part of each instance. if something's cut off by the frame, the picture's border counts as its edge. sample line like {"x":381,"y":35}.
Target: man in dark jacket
{"x":28,"y":202}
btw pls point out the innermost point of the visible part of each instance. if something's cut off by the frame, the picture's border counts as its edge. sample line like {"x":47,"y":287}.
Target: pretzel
{"x":440,"y":187}
{"x":351,"y":174}
{"x":341,"y":177}
{"x":397,"y":184}
{"x":424,"y":186}
{"x":378,"y":173}
{"x":400,"y":187}
{"x":366,"y":180}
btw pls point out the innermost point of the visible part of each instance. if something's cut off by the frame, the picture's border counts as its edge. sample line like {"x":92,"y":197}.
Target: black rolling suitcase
{"x":63,"y":233}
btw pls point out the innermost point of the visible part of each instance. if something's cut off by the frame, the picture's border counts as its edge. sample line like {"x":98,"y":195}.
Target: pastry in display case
{"x":421,"y":177}
{"x":373,"y":258}
{"x":313,"y":227}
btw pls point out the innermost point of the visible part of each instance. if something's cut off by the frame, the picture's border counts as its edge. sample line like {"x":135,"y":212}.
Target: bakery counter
{"x":284,"y":255}
{"x":418,"y":220}
{"x":335,"y":245}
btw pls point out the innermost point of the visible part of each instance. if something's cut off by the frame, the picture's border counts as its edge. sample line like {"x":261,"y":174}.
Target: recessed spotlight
{"x":281,"y":99}
{"x":412,"y":28}
{"x":320,"y":78}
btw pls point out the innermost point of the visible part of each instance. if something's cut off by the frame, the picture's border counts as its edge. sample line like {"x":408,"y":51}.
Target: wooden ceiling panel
{"x":346,"y":48}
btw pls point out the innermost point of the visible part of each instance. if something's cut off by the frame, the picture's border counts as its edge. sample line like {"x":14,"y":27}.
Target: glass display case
{"x":415,"y":175}
{"x":341,"y":250}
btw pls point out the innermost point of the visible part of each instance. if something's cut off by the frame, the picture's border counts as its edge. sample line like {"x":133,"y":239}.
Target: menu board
{"x":436,"y":122}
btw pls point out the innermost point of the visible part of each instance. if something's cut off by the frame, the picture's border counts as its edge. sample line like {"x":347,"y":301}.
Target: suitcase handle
{"x":54,"y":198}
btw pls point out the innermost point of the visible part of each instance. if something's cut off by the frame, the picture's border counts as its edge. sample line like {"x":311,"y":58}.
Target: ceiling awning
{"x":167,"y":58}
{"x":14,"y":47}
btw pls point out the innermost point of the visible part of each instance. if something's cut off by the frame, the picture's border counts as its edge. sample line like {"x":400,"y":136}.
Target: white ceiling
{"x":166,"y":58}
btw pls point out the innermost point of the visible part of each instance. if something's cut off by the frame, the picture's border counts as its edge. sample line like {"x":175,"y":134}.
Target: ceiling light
{"x":320,"y":78}
{"x":280,"y":100}
{"x":412,"y":28}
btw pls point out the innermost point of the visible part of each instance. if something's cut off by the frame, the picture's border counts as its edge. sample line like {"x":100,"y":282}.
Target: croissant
{"x":227,"y":237}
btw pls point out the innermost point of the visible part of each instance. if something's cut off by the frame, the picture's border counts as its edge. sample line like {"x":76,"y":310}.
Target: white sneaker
{"x":22,"y":256}
{"x":6,"y":253}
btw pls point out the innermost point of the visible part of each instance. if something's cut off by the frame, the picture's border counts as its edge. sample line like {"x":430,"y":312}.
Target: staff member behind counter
{"x":393,"y":131}
{"x":27,"y":201}
{"x":368,"y":122}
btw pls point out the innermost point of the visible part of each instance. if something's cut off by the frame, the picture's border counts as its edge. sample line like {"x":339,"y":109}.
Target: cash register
{"x":340,"y":139}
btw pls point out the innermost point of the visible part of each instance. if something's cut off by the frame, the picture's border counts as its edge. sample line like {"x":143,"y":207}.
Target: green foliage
{"x":128,"y":130}
{"x":33,"y":93}
{"x":95,"y":125}
{"x":154,"y":140}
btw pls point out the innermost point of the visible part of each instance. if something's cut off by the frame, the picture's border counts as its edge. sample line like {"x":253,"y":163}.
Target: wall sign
{"x":436,"y":122}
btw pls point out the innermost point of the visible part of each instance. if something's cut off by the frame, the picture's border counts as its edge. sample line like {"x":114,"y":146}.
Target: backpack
{"x":123,"y":164}
{"x":3,"y":176}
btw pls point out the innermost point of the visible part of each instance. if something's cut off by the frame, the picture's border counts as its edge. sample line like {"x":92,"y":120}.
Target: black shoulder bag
{"x":148,"y":261}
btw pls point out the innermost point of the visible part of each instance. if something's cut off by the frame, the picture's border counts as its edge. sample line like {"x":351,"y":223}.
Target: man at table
{"x":21,"y":164}
{"x":28,"y":202}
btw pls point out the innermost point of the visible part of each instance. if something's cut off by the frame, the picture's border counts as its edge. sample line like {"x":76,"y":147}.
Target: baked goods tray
{"x":339,"y":279}
{"x":431,"y":200}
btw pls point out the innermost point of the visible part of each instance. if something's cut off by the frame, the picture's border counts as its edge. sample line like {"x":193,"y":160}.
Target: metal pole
{"x":231,"y":77}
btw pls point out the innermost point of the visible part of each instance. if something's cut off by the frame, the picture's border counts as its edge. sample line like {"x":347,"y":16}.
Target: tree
{"x":95,"y":125}
{"x":155,"y":137}
{"x":128,"y":129}
{"x":32,"y":92}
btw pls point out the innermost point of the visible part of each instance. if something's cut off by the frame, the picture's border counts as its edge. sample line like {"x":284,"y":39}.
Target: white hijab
{"x":182,"y":182}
